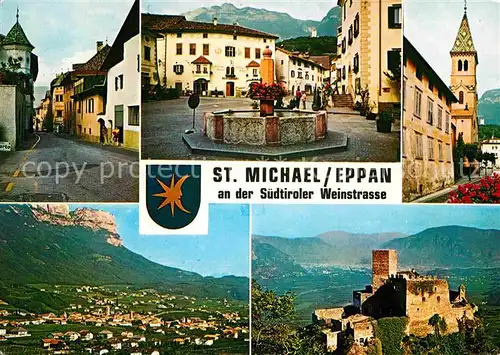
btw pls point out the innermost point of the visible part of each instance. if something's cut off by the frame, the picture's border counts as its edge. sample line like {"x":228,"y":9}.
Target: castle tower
{"x":384,"y":264}
{"x":464,"y":61}
{"x":16,"y":45}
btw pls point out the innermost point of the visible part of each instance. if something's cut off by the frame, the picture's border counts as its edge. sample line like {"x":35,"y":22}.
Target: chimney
{"x":99,"y":45}
{"x":215,"y":21}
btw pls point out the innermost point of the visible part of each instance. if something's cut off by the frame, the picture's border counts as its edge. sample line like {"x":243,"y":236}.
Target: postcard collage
{"x":251,"y":177}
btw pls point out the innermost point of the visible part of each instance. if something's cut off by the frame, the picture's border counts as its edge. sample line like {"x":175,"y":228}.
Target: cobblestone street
{"x":164,"y":122}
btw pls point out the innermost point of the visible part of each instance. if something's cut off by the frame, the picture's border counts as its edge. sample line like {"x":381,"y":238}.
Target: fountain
{"x":251,"y":131}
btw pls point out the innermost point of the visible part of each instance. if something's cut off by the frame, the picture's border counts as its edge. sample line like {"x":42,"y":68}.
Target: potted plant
{"x":370,"y":115}
{"x":365,"y":101}
{"x":384,"y":122}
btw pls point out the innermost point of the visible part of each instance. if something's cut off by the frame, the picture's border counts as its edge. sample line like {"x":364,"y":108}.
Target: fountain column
{"x":267,"y":77}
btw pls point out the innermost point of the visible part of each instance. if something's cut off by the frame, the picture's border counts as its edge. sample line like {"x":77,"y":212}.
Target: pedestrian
{"x":467,"y":166}
{"x":104,"y":134}
{"x":297,"y":98}
{"x":304,"y":98}
{"x":110,"y":134}
{"x":336,"y":87}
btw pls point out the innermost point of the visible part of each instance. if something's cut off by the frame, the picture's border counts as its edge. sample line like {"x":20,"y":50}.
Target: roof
{"x":323,"y":60}
{"x":409,"y":51}
{"x":94,"y":64}
{"x":491,"y":140}
{"x":16,"y":35}
{"x":463,"y":42}
{"x":129,"y":29}
{"x":159,"y":22}
{"x":174,"y":24}
{"x":59,"y":79}
{"x":302,"y":57}
{"x":201,"y":60}
{"x":253,"y":64}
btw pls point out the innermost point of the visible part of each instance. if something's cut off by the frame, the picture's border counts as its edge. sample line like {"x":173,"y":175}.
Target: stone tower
{"x":384,"y":264}
{"x":16,"y":45}
{"x":464,"y":61}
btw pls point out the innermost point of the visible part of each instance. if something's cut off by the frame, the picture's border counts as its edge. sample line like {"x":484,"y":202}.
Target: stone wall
{"x":426,"y":297}
{"x":12,"y":113}
{"x":327,"y":314}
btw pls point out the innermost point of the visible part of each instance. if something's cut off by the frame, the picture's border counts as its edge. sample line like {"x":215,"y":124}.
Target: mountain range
{"x":489,"y":107}
{"x":50,"y":245}
{"x":278,"y":23}
{"x":440,"y":247}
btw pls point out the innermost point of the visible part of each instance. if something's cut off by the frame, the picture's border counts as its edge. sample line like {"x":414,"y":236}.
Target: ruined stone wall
{"x":327,"y":314}
{"x":424,"y":298}
{"x":384,"y":264}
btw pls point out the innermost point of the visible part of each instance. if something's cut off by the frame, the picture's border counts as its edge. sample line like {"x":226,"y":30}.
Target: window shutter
{"x":391,"y":16}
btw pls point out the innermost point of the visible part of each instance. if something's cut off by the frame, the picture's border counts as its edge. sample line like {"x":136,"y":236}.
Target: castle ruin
{"x":395,"y":293}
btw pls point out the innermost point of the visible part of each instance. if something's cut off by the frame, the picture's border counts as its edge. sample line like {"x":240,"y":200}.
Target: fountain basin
{"x":285,"y":127}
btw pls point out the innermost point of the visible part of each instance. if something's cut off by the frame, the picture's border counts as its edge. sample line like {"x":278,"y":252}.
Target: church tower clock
{"x":464,"y":61}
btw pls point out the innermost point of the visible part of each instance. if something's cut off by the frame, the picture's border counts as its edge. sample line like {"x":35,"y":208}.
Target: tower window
{"x":460,"y":65}
{"x":461,"y":97}
{"x":466,"y":65}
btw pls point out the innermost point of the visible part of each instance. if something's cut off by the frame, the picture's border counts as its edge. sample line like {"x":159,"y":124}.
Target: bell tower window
{"x":461,"y":97}
{"x":460,"y":65}
{"x":466,"y":65}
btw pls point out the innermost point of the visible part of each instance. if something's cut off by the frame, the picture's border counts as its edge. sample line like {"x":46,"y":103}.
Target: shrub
{"x":485,"y":191}
{"x":391,"y":331}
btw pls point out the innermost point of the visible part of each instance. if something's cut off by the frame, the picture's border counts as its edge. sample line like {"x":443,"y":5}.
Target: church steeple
{"x":463,"y":42}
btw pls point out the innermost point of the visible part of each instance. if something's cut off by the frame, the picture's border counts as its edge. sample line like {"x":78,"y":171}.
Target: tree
{"x":458,"y":155}
{"x":270,"y":317}
{"x":438,"y":323}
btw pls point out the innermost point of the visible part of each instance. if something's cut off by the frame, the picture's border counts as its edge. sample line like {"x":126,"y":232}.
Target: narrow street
{"x":57,"y":169}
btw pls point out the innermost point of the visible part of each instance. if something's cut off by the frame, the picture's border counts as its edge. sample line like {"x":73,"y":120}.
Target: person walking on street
{"x":297,"y":98}
{"x":304,"y":98}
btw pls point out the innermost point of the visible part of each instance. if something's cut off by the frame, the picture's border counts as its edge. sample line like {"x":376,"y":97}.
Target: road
{"x":164,"y":122}
{"x":57,"y":169}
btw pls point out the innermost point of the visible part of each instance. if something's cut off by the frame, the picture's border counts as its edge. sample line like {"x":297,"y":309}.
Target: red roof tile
{"x":94,"y":64}
{"x":154,"y":22}
{"x":201,"y":60}
{"x":253,"y":64}
{"x":174,"y":24}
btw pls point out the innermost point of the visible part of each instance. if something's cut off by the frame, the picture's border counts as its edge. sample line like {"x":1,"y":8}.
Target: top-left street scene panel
{"x":69,"y":101}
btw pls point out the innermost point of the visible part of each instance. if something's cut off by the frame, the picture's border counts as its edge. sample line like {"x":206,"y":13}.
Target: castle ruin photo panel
{"x":375,"y":280}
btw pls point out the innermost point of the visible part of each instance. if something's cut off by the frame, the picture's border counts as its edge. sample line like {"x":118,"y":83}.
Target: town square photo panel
{"x":276,"y":81}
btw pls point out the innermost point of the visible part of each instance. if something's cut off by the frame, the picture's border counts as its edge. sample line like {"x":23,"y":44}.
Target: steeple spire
{"x":17,"y":15}
{"x":465,"y":6}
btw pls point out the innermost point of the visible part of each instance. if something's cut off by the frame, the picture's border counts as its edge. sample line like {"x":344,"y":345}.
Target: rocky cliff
{"x":59,"y":214}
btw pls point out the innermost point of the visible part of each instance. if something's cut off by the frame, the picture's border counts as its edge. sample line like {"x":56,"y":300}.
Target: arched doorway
{"x":230,"y":88}
{"x":200,"y":86}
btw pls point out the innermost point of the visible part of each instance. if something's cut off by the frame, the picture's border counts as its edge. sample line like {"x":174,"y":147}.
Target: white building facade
{"x":492,"y":146}
{"x":209,"y":58}
{"x":123,"y":81}
{"x":296,"y":71}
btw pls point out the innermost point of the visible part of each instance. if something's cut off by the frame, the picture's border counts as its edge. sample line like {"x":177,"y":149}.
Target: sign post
{"x":193,"y":103}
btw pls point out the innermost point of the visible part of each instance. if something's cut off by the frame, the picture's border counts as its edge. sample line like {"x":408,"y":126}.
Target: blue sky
{"x":64,"y":32}
{"x":309,"y":221}
{"x":432,"y":26}
{"x":314,"y":10}
{"x":224,"y":251}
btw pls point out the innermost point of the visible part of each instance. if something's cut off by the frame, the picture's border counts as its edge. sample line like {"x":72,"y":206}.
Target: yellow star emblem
{"x":172,"y":194}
